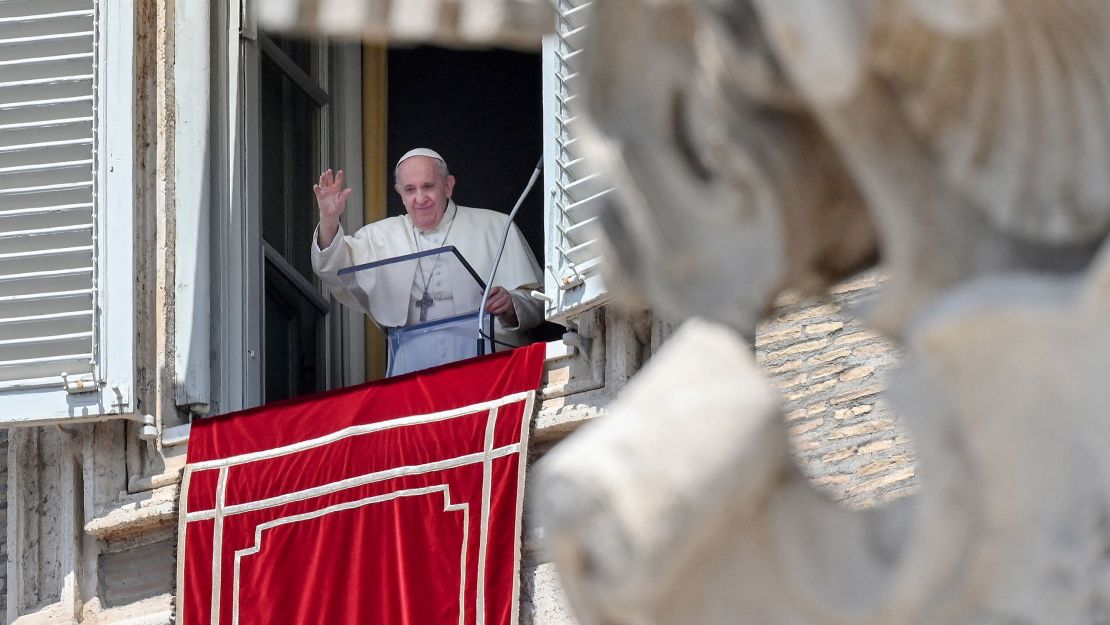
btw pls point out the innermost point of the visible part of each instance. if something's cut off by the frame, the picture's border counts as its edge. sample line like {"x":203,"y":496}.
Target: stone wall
{"x":831,"y":372}
{"x":4,"y":525}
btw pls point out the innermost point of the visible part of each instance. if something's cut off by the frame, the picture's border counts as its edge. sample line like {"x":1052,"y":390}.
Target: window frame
{"x":239,"y":339}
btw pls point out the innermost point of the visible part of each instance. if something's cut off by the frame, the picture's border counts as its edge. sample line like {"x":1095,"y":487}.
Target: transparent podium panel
{"x":416,"y":347}
{"x":427,"y":303}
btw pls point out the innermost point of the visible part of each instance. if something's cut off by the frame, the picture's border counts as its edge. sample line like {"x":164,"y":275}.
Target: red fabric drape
{"x":394,"y":503}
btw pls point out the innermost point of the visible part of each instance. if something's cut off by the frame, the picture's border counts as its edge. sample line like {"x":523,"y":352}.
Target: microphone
{"x":497,"y":261}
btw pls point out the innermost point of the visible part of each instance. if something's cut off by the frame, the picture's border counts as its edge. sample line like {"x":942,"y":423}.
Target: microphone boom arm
{"x":497,"y":261}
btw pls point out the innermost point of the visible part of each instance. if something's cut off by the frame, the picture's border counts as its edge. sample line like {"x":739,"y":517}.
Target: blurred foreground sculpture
{"x":780,"y":144}
{"x":513,"y":23}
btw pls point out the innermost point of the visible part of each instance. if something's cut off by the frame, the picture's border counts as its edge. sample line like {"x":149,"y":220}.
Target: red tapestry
{"x":393,"y":503}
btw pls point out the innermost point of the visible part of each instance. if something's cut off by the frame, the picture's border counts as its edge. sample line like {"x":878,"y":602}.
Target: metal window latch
{"x":75,"y":384}
{"x":122,"y":401}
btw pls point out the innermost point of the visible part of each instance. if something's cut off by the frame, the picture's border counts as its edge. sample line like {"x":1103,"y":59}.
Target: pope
{"x":432,"y":287}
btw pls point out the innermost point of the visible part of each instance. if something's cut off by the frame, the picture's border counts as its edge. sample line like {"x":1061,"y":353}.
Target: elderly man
{"x":433,"y":287}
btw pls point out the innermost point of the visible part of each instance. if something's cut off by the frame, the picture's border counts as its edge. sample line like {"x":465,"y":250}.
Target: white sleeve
{"x":529,"y":310}
{"x":327,"y":263}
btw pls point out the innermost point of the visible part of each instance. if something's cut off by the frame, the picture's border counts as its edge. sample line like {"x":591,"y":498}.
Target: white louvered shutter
{"x":575,"y":191}
{"x":52,"y":229}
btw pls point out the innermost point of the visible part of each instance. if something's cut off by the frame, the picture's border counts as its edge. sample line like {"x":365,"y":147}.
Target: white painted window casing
{"x":65,"y":209}
{"x":575,"y":191}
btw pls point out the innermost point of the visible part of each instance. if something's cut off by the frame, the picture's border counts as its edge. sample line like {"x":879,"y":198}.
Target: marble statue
{"x":786,"y":144}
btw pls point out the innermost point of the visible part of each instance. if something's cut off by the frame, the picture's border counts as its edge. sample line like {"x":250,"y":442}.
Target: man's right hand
{"x":331,"y":197}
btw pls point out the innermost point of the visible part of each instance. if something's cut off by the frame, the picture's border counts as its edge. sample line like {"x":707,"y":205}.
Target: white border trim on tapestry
{"x":444,"y":489}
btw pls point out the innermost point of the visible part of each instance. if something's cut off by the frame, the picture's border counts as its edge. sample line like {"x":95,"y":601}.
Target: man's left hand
{"x":500,"y":303}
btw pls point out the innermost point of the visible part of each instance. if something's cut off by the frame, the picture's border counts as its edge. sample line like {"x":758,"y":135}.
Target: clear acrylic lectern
{"x":441,"y":320}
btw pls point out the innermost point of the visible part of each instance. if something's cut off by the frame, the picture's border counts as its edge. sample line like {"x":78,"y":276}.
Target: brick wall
{"x":831,"y":372}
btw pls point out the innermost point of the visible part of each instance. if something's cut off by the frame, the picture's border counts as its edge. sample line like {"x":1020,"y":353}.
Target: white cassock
{"x":389,"y":295}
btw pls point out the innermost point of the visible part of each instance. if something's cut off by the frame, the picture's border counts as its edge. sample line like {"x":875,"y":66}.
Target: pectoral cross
{"x":424,"y":303}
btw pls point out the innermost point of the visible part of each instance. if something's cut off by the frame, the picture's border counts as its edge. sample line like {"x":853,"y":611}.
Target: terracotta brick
{"x":857,"y":337}
{"x":806,"y":445}
{"x":859,"y":393}
{"x":826,"y":371}
{"x":837,"y":456}
{"x":824,"y":328}
{"x":827,"y":357}
{"x":809,"y":313}
{"x":798,"y":348}
{"x":894,"y":477}
{"x":857,"y":373}
{"x":868,"y":427}
{"x":769,"y":338}
{"x":806,"y":426}
{"x":876,"y":446}
{"x":883,"y":464}
{"x":809,"y":391}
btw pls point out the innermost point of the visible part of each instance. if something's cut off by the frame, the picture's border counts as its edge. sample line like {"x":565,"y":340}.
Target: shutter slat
{"x":45,"y":340}
{"x":34,"y":104}
{"x":39,"y":232}
{"x":28,"y":19}
{"x":45,"y":318}
{"x":47,"y":187}
{"x":581,"y":254}
{"x":45,"y":210}
{"x":66,"y":358}
{"x":48,"y":123}
{"x":34,"y":201}
{"x":72,"y":322}
{"x":54,"y":58}
{"x":41,"y":275}
{"x":5,"y":299}
{"x":26,"y":147}
{"x":14,"y":41}
{"x":583,"y":231}
{"x":47,"y":166}
{"x":81,"y":249}
{"x":50,"y":80}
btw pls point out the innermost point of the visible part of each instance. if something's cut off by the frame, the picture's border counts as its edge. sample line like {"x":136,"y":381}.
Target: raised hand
{"x":331,"y":198}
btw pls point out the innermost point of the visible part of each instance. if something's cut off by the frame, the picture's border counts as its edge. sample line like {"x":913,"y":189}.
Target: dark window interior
{"x":483,"y":111}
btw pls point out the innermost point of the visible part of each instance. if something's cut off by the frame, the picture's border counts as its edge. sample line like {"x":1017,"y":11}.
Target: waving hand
{"x":331,"y":197}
